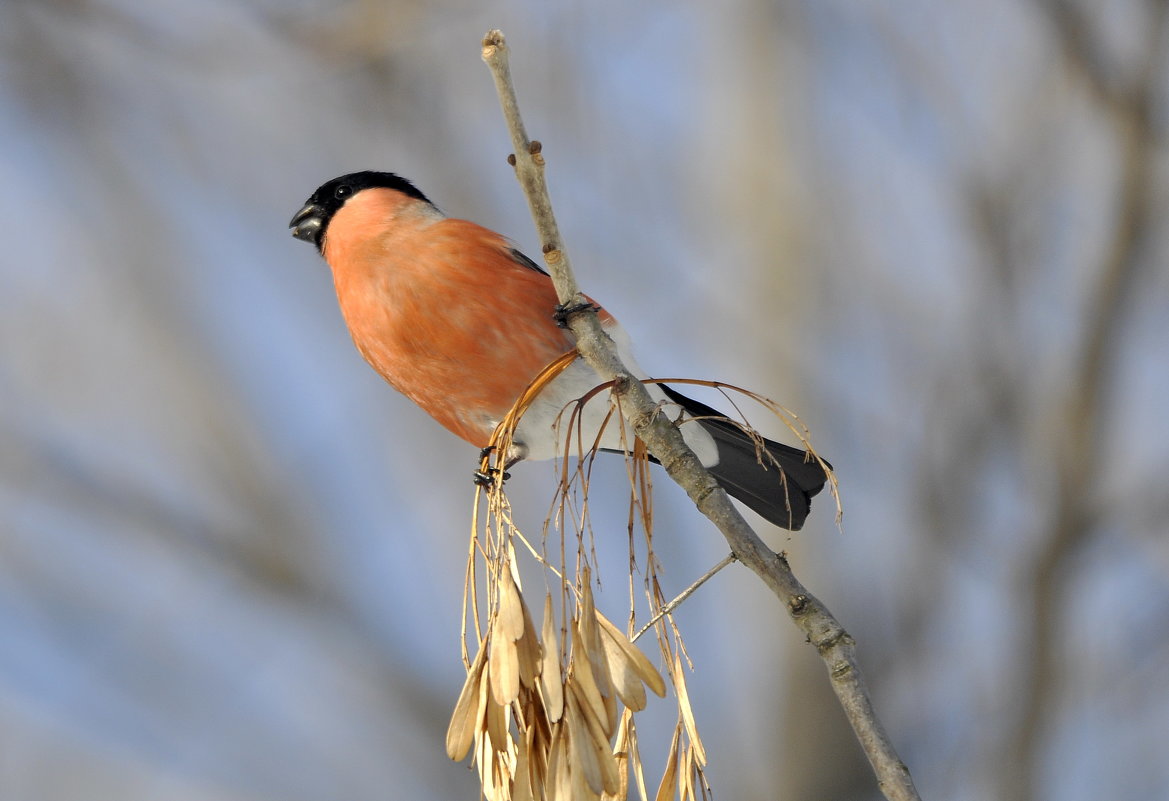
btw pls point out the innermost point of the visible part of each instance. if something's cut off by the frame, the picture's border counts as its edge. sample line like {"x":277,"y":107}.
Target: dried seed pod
{"x":528,"y":653}
{"x":669,"y":783}
{"x":465,"y":719}
{"x":632,"y":656}
{"x":686,"y":712}
{"x":551,"y":677}
{"x":598,"y":739}
{"x":511,"y":612}
{"x":503,"y":665}
{"x":582,"y":673}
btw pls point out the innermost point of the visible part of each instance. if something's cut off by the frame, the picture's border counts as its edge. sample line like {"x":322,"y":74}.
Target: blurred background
{"x":231,"y":557}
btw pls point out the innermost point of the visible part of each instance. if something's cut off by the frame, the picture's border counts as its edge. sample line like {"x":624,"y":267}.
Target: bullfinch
{"x":459,"y":321}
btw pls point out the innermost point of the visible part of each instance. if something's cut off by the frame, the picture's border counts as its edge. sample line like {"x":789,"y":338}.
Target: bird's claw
{"x":563,"y":312}
{"x":486,"y":477}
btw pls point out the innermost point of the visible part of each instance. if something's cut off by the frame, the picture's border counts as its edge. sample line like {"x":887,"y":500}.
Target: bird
{"x":457,"y":319}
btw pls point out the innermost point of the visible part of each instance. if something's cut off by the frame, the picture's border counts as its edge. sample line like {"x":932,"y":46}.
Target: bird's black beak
{"x":308,"y":224}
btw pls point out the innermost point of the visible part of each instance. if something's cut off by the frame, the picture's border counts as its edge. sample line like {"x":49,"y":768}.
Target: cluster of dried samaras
{"x":548,"y":728}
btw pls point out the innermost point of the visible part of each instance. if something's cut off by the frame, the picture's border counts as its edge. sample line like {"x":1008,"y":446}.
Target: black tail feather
{"x":783,"y":496}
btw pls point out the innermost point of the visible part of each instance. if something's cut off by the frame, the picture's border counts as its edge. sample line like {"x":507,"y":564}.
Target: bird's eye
{"x":343,"y":191}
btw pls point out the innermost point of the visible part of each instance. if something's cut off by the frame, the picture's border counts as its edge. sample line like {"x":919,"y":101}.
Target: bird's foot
{"x":486,"y":477}
{"x":563,"y":312}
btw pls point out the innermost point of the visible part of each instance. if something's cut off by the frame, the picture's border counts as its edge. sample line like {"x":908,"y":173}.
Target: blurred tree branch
{"x":663,"y":440}
{"x":1077,"y":443}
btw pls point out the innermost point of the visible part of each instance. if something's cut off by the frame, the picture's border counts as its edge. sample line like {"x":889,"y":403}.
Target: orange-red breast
{"x":459,"y":321}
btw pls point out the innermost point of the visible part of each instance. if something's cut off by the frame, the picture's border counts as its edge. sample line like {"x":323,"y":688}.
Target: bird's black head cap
{"x":311,"y":222}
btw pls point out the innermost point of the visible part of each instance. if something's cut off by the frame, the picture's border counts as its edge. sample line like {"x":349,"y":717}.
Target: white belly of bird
{"x":557,"y":419}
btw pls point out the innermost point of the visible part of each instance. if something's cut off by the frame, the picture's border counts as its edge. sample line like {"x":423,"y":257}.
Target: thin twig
{"x":682,"y":596}
{"x":665,"y":442}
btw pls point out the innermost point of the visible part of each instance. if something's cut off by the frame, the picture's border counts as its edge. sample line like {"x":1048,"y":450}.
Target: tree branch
{"x":664,"y":441}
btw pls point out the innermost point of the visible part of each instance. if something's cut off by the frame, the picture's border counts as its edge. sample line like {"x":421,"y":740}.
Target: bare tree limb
{"x":836,"y":646}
